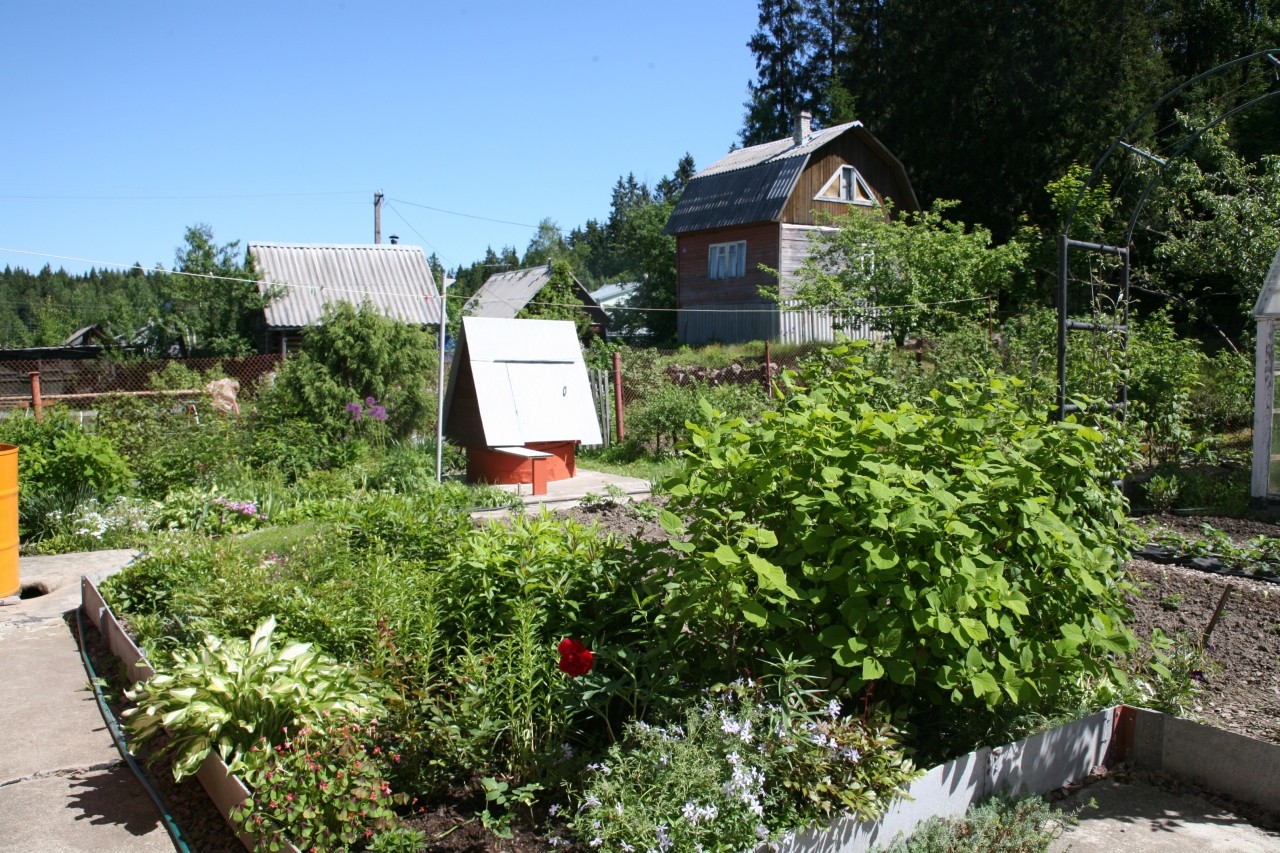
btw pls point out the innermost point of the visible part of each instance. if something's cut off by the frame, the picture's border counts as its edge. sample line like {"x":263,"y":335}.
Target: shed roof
{"x":393,"y":277}
{"x":518,"y":381}
{"x":505,"y":294}
{"x":753,"y":184}
{"x":1268,"y":304}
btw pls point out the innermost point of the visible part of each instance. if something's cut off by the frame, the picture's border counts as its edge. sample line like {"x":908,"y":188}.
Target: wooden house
{"x":761,"y":206}
{"x":519,"y":400}
{"x":394,"y":278}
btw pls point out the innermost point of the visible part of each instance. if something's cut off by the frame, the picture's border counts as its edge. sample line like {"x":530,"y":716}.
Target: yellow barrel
{"x":9,"y":584}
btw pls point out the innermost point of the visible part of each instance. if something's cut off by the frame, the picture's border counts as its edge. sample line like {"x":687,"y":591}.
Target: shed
{"x":519,"y":400}
{"x":505,"y":294}
{"x":395,"y":278}
{"x":1265,"y":483}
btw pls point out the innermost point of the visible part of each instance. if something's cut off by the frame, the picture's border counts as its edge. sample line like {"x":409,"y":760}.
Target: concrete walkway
{"x":562,"y":494}
{"x":1137,"y":817}
{"x":63,"y":785}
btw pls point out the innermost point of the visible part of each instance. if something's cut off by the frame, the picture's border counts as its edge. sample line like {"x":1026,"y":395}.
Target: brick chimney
{"x":803,"y":129}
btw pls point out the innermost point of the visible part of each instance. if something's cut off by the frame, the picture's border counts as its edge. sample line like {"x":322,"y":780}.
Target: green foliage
{"x":321,"y":788}
{"x":956,"y":551}
{"x":233,"y":695}
{"x":94,"y":525}
{"x":743,"y":764}
{"x":1162,"y":492}
{"x":354,"y":354}
{"x":60,"y":466}
{"x":892,"y":273}
{"x":166,"y":447}
{"x":997,"y":825}
{"x":559,"y":299}
{"x":1164,"y":371}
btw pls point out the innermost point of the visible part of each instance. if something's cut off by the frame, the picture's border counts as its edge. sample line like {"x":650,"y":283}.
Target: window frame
{"x":731,"y":257}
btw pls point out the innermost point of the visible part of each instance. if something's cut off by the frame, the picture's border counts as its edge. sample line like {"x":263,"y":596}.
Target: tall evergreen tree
{"x":784,"y":85}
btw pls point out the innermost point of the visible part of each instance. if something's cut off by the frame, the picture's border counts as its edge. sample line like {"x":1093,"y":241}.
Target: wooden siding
{"x":695,"y":289}
{"x":846,"y":150}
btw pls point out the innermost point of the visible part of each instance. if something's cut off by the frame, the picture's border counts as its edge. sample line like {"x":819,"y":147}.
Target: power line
{"x":369,"y":292}
{"x":467,"y":215}
{"x":174,"y":197}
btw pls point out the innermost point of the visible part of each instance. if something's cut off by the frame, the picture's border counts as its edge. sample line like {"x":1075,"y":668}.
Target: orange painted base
{"x":486,"y":465}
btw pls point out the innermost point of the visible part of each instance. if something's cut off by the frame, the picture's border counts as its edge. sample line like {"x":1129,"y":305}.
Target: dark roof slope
{"x":753,"y":184}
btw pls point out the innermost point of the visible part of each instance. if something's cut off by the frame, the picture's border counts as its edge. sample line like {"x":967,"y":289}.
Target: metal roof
{"x":505,"y":294}
{"x":753,"y":184}
{"x":393,"y":277}
{"x":528,"y":383}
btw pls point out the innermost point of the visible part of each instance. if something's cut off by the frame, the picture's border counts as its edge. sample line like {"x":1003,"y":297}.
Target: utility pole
{"x":377,"y":217}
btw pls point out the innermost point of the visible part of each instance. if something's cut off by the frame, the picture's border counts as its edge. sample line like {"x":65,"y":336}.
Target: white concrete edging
{"x":1034,"y":765}
{"x":223,"y":787}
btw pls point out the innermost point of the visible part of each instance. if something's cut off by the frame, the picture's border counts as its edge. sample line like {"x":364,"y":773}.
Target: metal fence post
{"x":35,"y":392}
{"x":768,"y":369}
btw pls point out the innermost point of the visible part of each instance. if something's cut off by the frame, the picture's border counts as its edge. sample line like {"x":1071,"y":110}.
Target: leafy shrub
{"x":1222,"y":399}
{"x":1164,"y":372}
{"x":168,"y":448}
{"x":961,"y":551}
{"x":997,"y":825}
{"x":743,"y":764}
{"x":231,"y":695}
{"x":354,"y":354}
{"x":59,"y":467}
{"x":322,"y":788}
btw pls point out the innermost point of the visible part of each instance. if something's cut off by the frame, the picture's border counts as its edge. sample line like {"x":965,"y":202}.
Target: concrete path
{"x":1136,"y":817}
{"x":562,"y":494}
{"x":63,"y":785}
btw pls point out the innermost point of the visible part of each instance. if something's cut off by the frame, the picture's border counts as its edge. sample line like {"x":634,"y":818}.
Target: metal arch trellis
{"x":1123,"y":249}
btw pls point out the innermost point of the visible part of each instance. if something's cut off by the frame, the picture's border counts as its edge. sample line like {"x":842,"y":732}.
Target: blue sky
{"x":277,"y":121}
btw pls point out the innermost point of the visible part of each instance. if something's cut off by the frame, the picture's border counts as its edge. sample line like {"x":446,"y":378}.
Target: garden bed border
{"x":223,"y":787}
{"x":1241,"y":767}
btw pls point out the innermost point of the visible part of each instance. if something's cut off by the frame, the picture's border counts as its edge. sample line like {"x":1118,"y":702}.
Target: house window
{"x":849,"y":186}
{"x":727,"y":260}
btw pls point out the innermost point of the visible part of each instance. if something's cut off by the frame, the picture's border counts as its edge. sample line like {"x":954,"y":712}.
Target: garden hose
{"x":117,"y":735}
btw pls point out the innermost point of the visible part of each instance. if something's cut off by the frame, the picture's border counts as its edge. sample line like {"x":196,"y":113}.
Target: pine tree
{"x":784,"y":84}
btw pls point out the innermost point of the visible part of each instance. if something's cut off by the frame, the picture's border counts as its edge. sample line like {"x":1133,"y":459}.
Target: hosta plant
{"x":229,"y":695}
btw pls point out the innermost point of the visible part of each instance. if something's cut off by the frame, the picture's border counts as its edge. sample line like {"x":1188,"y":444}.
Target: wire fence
{"x":79,"y":383}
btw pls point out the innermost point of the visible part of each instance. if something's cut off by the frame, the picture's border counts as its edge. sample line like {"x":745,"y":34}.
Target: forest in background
{"x":993,"y":106}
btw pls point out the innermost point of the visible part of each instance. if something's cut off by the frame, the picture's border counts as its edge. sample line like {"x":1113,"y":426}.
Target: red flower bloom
{"x":575,"y":658}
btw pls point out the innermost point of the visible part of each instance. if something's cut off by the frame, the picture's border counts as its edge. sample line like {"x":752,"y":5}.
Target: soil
{"x":1240,"y":691}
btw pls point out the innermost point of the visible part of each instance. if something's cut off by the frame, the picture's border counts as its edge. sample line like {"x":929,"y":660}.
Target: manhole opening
{"x":33,"y":590}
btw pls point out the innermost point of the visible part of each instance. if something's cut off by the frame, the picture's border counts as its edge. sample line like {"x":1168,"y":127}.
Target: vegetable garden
{"x":894,"y":560}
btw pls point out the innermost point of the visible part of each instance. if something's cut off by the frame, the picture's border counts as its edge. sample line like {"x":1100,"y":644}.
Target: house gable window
{"x":849,"y":186}
{"x":727,"y":260}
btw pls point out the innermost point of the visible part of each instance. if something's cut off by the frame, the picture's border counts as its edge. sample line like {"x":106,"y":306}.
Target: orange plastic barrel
{"x":9,"y":584}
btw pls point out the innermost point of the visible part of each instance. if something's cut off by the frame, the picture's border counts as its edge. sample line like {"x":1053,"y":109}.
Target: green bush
{"x":60,"y":466}
{"x":363,"y":375}
{"x":958,"y":552}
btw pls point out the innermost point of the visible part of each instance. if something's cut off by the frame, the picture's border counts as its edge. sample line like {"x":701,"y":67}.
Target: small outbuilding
{"x":519,"y":400}
{"x":1265,"y":484}
{"x":394,"y":278}
{"x":506,"y":294}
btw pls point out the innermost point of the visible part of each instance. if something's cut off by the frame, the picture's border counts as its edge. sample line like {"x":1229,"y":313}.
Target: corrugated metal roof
{"x":505,"y":294}
{"x":394,"y":278}
{"x":779,"y":149}
{"x":753,"y":184}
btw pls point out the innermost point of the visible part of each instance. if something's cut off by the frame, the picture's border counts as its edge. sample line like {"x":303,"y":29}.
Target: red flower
{"x":575,"y":658}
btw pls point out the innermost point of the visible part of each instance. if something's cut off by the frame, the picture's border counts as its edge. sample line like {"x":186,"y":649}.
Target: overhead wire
{"x":372,"y":292}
